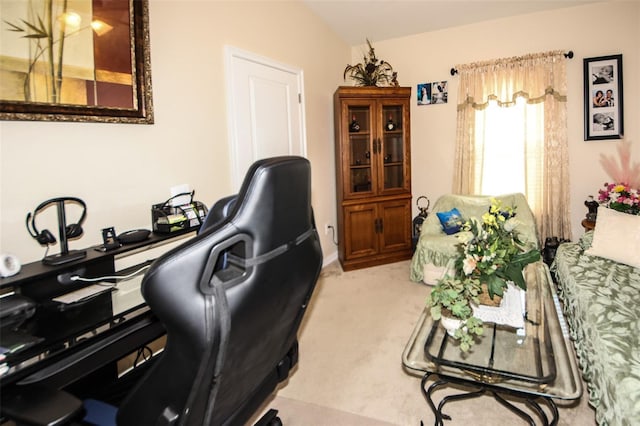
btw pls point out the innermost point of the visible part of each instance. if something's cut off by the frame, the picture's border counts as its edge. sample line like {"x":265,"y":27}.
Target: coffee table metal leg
{"x":427,"y":395}
{"x":457,"y":397}
{"x":518,"y":411}
{"x":536,"y":407}
{"x":530,"y":401}
{"x":550,"y":403}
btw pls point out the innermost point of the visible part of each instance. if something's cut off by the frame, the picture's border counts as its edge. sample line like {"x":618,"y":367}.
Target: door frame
{"x":231,"y":52}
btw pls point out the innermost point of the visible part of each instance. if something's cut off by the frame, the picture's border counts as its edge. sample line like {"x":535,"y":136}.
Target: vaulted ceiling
{"x":355,"y":20}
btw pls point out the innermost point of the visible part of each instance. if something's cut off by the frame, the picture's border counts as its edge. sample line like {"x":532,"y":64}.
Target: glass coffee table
{"x":535,"y":364}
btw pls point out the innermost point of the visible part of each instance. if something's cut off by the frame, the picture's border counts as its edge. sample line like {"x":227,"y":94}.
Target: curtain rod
{"x":568,"y":55}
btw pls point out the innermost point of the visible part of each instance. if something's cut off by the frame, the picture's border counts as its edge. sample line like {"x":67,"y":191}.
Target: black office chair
{"x":231,"y":300}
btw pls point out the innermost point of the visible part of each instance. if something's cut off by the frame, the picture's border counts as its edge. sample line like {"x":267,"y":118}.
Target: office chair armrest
{"x":39,"y":405}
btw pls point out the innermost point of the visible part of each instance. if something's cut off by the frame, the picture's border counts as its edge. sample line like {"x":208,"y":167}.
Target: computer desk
{"x":65,"y":342}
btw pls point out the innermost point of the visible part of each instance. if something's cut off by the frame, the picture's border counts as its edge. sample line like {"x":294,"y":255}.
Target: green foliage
{"x":44,"y":46}
{"x":467,"y":332}
{"x":453,"y":297}
{"x":37,"y":31}
{"x":493,"y":255}
{"x":373,"y":72}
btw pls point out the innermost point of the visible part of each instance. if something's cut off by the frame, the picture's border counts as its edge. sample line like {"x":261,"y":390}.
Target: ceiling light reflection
{"x":100,"y":27}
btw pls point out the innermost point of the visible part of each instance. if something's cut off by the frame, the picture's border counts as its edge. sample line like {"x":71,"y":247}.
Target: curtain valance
{"x":532,"y":76}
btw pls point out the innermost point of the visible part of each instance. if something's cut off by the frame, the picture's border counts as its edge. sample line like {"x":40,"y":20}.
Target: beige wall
{"x":121,"y":169}
{"x":590,"y":31}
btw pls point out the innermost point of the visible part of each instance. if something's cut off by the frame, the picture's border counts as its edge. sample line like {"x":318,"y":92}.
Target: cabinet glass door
{"x":392,"y":150}
{"x":360,"y":155}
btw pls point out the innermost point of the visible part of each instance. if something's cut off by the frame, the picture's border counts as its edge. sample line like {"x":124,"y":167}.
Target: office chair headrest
{"x":285,"y":214}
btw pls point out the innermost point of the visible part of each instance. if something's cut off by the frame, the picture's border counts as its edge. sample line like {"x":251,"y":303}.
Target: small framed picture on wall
{"x":433,"y":93}
{"x":424,"y":94}
{"x":603,"y":101}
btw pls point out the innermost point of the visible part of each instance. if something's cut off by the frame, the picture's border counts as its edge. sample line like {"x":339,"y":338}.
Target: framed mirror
{"x":76,"y":60}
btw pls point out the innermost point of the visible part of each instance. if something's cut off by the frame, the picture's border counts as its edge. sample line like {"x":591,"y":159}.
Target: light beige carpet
{"x":350,"y":368}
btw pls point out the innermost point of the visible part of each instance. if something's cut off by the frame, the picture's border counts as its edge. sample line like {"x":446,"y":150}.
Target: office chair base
{"x":269,"y":419}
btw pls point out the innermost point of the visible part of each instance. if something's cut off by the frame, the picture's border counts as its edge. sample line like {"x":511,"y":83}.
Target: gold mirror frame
{"x":141,"y":113}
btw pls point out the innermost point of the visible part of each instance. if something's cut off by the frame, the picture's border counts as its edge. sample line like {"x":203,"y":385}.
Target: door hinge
{"x":299,"y":98}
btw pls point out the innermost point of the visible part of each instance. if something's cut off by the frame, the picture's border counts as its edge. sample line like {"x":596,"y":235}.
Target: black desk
{"x":71,"y":341}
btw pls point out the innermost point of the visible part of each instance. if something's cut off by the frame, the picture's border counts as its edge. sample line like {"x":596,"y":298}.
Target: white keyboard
{"x":84,"y":293}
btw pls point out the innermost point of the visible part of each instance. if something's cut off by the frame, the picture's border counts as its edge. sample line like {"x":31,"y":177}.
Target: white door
{"x":266,"y":112}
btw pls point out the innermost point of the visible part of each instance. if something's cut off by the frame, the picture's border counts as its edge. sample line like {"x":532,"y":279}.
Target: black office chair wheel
{"x":276,"y":422}
{"x":270,"y":418}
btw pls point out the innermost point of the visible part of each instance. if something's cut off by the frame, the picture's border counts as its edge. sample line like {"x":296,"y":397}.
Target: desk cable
{"x":109,"y":277}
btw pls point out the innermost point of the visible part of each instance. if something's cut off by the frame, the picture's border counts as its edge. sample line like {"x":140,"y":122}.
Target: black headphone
{"x":46,"y":237}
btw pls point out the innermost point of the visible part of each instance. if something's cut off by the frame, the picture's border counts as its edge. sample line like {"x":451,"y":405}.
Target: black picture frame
{"x":137,"y":81}
{"x":603,"y":98}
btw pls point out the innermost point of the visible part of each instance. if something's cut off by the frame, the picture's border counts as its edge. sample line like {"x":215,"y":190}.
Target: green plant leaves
{"x":38,"y":30}
{"x":493,"y":255}
{"x":372,"y":73}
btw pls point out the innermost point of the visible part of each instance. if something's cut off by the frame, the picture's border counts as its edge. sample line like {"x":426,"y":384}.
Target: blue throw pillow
{"x":451,"y":221}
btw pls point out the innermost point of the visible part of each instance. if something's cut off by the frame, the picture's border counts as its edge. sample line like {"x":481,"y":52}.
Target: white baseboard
{"x":330,"y":258}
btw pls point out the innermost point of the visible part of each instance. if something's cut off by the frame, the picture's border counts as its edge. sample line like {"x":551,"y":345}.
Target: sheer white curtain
{"x":512,"y":134}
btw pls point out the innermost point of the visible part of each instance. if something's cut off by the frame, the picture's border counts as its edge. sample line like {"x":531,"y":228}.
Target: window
{"x":509,"y":141}
{"x":511,"y":134}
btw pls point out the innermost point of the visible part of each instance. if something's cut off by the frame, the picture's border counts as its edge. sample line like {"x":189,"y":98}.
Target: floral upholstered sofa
{"x":599,"y":284}
{"x":435,"y":248}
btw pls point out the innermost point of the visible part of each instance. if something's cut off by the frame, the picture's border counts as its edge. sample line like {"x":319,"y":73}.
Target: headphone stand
{"x":61,"y":259}
{"x":65,"y":255}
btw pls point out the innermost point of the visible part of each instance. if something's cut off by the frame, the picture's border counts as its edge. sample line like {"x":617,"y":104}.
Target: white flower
{"x":488,"y":258}
{"x":464,"y":237}
{"x":510,"y":224}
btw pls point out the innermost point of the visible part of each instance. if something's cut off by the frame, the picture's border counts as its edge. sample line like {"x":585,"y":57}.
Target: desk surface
{"x":59,"y":330}
{"x":540,"y":363}
{"x":38,"y":270}
{"x":64,"y":342}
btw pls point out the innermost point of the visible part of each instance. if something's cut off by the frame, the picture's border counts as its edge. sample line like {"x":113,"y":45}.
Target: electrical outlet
{"x":327,"y":228}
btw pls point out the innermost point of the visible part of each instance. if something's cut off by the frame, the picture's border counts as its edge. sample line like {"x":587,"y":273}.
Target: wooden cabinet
{"x":373,"y":167}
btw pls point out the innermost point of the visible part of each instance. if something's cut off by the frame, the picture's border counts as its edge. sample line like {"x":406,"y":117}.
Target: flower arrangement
{"x":494,"y":254}
{"x":374,"y":72}
{"x":623,"y":195}
{"x":620,"y":197}
{"x":491,"y":254}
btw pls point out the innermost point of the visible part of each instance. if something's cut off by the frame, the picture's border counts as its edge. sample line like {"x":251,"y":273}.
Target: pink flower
{"x":620,"y":196}
{"x":469,"y":264}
